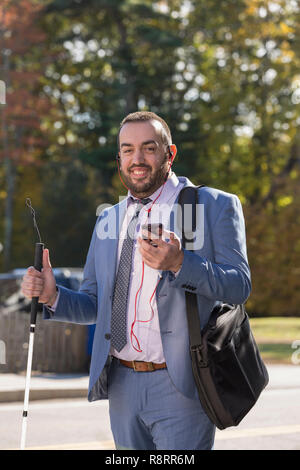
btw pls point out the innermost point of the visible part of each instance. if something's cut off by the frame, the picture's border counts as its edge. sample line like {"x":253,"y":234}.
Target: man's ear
{"x":173,"y":152}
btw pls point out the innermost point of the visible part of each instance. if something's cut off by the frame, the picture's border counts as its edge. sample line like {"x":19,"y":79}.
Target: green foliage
{"x":223,"y":74}
{"x":274,"y":254}
{"x":68,"y":212}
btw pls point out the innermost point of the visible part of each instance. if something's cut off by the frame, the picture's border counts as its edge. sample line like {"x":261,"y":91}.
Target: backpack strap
{"x":189,"y":195}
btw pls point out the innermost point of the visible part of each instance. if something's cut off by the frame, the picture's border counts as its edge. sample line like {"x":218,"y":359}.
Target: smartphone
{"x":155,"y":229}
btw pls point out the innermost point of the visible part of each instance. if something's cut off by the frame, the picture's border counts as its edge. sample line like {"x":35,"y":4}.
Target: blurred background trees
{"x":223,"y":74}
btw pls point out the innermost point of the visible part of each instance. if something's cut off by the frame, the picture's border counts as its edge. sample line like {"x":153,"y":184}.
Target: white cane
{"x":38,"y":263}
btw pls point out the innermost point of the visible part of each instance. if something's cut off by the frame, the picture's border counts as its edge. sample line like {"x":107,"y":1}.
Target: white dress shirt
{"x":146,"y":332}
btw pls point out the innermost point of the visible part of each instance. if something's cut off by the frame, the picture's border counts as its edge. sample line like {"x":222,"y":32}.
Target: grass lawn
{"x":274,"y":336}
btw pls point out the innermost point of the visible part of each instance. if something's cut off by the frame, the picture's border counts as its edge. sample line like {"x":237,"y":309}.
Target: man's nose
{"x":138,"y":156}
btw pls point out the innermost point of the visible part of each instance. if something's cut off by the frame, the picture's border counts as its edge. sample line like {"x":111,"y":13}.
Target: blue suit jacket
{"x":218,"y":271}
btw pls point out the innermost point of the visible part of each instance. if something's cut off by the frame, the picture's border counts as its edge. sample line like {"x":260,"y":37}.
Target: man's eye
{"x":150,"y":149}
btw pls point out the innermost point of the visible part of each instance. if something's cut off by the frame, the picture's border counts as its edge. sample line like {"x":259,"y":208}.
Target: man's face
{"x":144,"y":159}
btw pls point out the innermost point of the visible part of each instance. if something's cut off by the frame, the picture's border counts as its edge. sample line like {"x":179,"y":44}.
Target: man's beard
{"x":155,"y":181}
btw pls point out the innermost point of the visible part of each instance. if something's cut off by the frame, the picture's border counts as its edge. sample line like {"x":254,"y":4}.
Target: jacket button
{"x":107,"y":336}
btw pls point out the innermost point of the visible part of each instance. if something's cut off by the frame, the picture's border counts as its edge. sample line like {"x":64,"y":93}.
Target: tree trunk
{"x":9,"y":175}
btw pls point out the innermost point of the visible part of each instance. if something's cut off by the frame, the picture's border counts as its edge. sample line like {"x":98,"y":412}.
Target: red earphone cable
{"x":141,"y":321}
{"x":132,"y":335}
{"x":134,"y":320}
{"x":120,"y":175}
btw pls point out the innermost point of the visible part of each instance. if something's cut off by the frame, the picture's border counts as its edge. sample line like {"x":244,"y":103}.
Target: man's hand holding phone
{"x":152,"y":232}
{"x":160,"y":249}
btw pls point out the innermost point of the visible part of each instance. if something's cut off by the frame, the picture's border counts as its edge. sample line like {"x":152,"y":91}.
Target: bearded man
{"x":134,"y":287}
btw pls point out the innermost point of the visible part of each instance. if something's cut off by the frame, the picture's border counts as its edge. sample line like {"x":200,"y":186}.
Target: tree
{"x":100,"y":74}
{"x":20,"y":134}
{"x":246,"y":56}
{"x":224,"y":75}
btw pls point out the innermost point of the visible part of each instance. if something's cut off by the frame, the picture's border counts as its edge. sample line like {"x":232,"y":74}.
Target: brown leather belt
{"x":141,"y":366}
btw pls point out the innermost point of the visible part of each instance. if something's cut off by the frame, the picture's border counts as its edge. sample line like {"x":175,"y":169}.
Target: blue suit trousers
{"x":147,"y":412}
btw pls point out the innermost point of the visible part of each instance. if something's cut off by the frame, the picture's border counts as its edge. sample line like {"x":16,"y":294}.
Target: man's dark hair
{"x":142,"y":116}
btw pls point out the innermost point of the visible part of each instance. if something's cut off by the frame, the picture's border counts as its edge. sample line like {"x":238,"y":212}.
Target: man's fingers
{"x":32,"y":287}
{"x":170,"y":235}
{"x":173,"y":238}
{"x":32,"y":282}
{"x":46,"y":259}
{"x":149,"y":260}
{"x":149,"y":248}
{"x":147,"y":251}
{"x":31,"y":293}
{"x":33,"y":273}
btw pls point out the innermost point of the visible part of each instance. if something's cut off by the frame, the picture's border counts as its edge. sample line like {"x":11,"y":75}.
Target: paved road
{"x":274,"y":423}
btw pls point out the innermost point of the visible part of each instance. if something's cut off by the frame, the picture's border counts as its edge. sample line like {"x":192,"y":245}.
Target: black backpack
{"x":228,"y":370}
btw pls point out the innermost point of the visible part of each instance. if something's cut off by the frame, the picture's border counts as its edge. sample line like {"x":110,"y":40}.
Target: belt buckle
{"x":150,"y":366}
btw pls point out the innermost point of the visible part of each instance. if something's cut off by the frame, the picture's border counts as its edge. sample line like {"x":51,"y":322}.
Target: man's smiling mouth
{"x":139,"y":172}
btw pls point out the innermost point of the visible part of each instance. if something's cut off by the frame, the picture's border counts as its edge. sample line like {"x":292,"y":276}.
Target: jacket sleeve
{"x":81,"y":306}
{"x":227,"y":278}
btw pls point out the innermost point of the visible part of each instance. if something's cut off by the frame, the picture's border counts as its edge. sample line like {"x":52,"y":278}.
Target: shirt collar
{"x":167,"y":192}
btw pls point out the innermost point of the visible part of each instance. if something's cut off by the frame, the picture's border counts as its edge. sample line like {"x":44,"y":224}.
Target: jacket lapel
{"x":110,"y":252}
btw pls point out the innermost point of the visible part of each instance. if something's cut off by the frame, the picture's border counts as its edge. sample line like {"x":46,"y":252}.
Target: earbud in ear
{"x":170,"y":152}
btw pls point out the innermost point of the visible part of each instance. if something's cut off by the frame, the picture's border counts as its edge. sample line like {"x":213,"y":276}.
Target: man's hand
{"x":40,"y":284}
{"x":166,"y":256}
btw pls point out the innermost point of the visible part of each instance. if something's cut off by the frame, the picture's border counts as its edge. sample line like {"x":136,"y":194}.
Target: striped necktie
{"x":120,"y":297}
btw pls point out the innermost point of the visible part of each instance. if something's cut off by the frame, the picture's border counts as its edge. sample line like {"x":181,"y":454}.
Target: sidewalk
{"x":49,"y":386}
{"x":43,"y":386}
